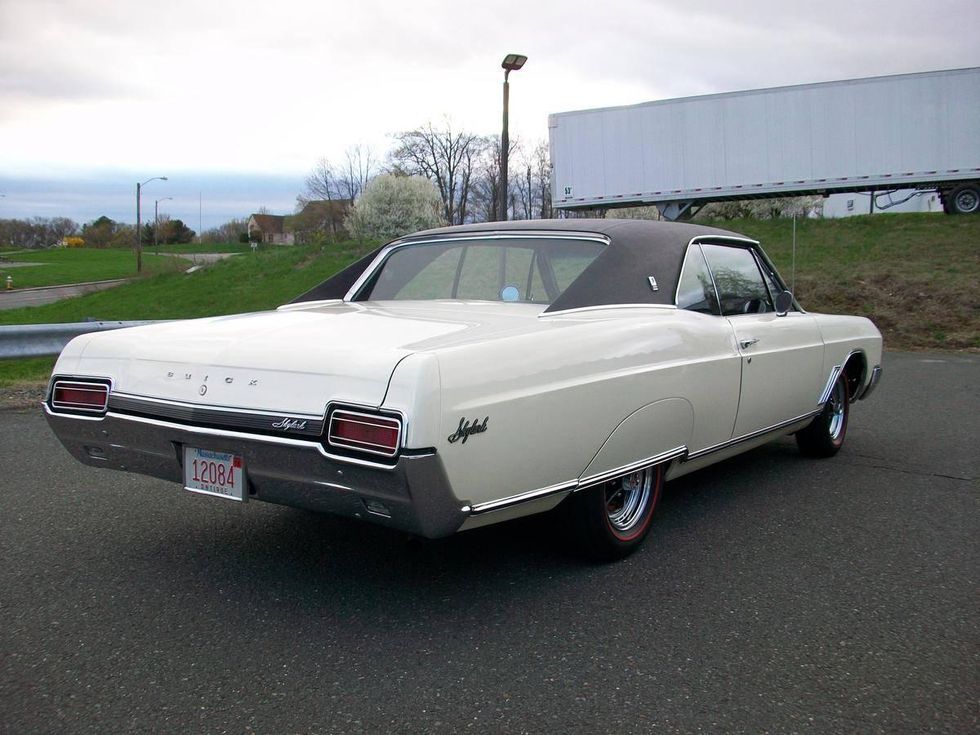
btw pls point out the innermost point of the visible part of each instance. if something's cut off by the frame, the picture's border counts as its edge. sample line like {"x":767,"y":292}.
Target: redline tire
{"x":825,"y":435}
{"x":610,"y":521}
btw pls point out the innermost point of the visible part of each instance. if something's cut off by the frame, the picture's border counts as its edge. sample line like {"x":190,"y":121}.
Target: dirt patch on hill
{"x":22,"y":396}
{"x":913,"y":313}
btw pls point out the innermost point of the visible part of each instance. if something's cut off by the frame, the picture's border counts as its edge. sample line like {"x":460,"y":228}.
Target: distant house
{"x":319,"y":217}
{"x":270,"y":228}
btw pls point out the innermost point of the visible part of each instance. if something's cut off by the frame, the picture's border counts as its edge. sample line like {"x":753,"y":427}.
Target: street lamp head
{"x":513,"y":62}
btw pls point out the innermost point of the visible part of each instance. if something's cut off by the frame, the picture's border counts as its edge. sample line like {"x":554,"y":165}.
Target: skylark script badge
{"x":467,"y":428}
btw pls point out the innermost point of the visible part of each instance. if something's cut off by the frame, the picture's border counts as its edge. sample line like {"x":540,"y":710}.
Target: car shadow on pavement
{"x":281,"y":559}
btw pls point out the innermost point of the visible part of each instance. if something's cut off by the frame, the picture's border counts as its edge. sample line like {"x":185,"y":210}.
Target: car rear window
{"x":528,"y":270}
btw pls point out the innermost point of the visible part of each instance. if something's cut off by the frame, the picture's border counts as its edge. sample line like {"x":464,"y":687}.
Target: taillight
{"x":364,"y":432}
{"x":77,"y":395}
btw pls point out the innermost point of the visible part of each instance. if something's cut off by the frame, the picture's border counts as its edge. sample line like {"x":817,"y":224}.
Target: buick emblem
{"x":202,"y":390}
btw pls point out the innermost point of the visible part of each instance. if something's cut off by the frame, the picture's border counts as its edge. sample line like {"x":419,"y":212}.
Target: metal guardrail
{"x":40,"y":340}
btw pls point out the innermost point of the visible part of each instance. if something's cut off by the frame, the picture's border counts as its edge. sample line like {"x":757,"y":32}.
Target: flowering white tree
{"x":391,"y":206}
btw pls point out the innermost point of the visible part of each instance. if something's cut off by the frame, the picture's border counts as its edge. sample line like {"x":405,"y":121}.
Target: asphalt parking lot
{"x":775,"y":594}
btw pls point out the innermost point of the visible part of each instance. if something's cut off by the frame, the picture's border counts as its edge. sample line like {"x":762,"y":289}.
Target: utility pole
{"x":139,"y":221}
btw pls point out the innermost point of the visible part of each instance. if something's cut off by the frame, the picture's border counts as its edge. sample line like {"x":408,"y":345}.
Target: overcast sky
{"x":101,"y":93}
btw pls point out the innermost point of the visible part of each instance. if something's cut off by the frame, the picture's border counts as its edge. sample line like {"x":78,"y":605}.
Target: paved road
{"x":18,"y":298}
{"x":776,"y":594}
{"x":49,"y":294}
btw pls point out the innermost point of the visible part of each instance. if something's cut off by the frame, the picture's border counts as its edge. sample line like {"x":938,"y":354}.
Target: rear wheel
{"x":965,"y":199}
{"x":611,"y":520}
{"x":825,"y":436}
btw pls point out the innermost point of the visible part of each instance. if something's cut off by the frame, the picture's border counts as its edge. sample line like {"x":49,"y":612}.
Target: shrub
{"x":391,"y":206}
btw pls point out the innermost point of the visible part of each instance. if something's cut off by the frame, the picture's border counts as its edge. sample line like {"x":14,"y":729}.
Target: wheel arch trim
{"x":573,"y":486}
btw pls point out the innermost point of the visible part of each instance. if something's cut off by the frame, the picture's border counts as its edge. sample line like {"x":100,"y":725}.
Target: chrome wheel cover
{"x":838,"y":405}
{"x":628,"y":498}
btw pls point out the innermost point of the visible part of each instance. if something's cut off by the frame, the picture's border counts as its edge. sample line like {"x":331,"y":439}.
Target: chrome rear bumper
{"x":414,"y":495}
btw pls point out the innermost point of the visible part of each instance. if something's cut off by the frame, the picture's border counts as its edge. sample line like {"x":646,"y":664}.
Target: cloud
{"x":257,"y":86}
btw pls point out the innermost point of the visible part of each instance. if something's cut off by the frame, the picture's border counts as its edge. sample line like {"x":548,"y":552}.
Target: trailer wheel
{"x":965,"y":199}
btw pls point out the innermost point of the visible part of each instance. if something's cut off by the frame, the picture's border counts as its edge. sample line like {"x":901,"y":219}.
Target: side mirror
{"x":784,"y":302}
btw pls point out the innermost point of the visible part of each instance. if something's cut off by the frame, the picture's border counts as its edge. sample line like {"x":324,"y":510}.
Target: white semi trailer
{"x":919,"y":131}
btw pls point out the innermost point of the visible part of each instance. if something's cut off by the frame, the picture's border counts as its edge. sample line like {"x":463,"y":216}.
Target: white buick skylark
{"x":469,"y":375}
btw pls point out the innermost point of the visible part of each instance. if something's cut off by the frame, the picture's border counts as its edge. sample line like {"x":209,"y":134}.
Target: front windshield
{"x":528,"y":270}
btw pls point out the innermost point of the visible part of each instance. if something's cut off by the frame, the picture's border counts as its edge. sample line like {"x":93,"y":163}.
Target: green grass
{"x":80,"y":265}
{"x":914,"y":275}
{"x":25,"y":372}
{"x":250,"y":282}
{"x":209,"y":247}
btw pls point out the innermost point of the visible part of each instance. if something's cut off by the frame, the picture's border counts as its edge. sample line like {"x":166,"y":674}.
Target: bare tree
{"x":359,"y":169}
{"x":486,"y":187}
{"x":445,"y":156}
{"x":322,"y":183}
{"x":230,"y":231}
{"x":36,"y":232}
{"x":541,"y":162}
{"x":531,"y":183}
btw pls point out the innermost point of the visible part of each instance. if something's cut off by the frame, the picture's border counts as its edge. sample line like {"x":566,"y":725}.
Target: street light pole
{"x":156,"y":219}
{"x":511,"y":62}
{"x":139,"y":221}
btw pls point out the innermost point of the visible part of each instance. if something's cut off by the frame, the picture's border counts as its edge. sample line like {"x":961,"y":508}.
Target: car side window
{"x":696,"y":292}
{"x":736,"y":274}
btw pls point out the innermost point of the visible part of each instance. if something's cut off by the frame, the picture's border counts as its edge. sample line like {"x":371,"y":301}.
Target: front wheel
{"x":825,"y":436}
{"x":611,"y":520}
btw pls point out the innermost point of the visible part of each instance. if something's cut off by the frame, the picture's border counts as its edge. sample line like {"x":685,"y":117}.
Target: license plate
{"x":214,"y":473}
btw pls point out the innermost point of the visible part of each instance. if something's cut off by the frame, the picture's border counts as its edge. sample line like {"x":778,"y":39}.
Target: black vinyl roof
{"x":637,"y":250}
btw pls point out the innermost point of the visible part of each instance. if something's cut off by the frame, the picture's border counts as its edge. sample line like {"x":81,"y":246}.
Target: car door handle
{"x":747,"y":342}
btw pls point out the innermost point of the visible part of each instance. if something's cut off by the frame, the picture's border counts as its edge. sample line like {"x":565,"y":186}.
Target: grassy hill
{"x":914,"y":275}
{"x":81,"y":265}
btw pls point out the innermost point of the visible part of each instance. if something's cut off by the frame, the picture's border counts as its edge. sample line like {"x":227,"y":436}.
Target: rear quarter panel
{"x":554,"y":398}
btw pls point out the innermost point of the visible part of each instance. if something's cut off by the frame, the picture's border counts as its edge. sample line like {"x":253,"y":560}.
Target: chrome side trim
{"x":207,"y":431}
{"x":748,"y":437}
{"x":604,"y":307}
{"x":502,"y":503}
{"x":574,"y":486}
{"x":872,"y":384}
{"x":834,"y":374}
{"x":632,"y":467}
{"x":708,"y":239}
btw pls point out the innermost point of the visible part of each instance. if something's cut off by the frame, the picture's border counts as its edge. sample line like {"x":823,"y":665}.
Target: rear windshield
{"x":528,"y":270}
